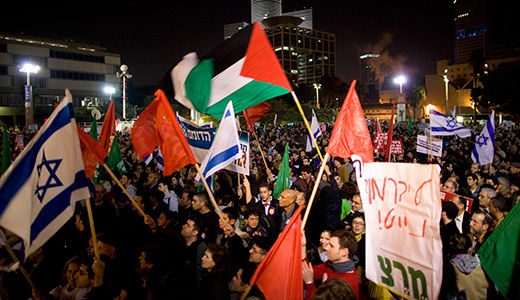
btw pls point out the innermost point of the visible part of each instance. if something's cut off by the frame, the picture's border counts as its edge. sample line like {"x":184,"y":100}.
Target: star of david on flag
{"x":39,"y":190}
{"x":484,"y":149}
{"x":443,"y":125}
{"x":315,"y":129}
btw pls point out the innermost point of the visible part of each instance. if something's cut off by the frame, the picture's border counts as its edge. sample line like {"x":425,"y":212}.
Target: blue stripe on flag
{"x":220,"y":158}
{"x":57,"y":205}
{"x":25,"y":167}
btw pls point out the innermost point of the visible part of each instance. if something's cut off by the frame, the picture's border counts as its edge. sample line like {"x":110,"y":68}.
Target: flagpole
{"x":22,"y":269}
{"x":314,"y":190}
{"x":260,"y":148}
{"x":139,"y":209}
{"x":307,"y":124}
{"x":203,"y":179}
{"x":92,"y":228}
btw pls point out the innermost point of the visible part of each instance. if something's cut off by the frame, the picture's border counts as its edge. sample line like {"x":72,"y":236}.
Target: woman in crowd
{"x":215,"y":279}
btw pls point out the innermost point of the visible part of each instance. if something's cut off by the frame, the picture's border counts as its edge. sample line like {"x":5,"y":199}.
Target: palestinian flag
{"x":243,"y":69}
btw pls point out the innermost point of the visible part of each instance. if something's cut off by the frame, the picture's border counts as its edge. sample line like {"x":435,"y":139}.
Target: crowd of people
{"x":181,"y":249}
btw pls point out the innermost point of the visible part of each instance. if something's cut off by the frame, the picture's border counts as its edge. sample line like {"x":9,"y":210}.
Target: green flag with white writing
{"x":115,"y":159}
{"x":284,"y":175}
{"x":500,"y":255}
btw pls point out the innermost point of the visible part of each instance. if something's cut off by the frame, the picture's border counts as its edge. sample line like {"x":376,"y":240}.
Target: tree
{"x":500,"y":91}
{"x":414,"y":96}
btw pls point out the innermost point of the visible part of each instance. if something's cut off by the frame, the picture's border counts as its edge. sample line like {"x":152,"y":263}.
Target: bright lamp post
{"x":29,"y":113}
{"x":109,"y":90}
{"x":446,"y":80}
{"x":317,"y":86}
{"x":125,"y":75}
{"x":400,"y":80}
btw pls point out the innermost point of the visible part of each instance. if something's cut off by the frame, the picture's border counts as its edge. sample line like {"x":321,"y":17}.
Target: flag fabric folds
{"x":115,"y":159}
{"x":484,"y":150}
{"x":350,"y":134}
{"x":255,"y":113}
{"x":91,"y":151}
{"x":453,"y":112}
{"x":93,"y":129}
{"x":41,"y":187}
{"x":243,"y":68}
{"x":315,"y":129}
{"x":378,"y":126}
{"x":500,"y":255}
{"x":158,"y":126}
{"x":225,"y":147}
{"x":283,"y":180}
{"x":279,"y":275}
{"x":444,"y":126}
{"x":108,"y":128}
{"x":7,"y":156}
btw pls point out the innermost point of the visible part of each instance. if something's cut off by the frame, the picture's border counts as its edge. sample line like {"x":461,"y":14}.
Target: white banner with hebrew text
{"x":402,"y":211}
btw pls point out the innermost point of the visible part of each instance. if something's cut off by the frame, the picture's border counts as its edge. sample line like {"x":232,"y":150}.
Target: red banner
{"x":446,"y":196}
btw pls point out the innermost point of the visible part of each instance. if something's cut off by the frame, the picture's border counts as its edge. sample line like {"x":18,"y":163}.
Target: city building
{"x":83,"y":69}
{"x":369,"y":80}
{"x":306,"y":54}
{"x":486,"y":32}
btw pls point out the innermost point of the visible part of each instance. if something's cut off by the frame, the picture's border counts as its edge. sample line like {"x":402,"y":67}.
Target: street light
{"x":125,"y":75}
{"x":29,"y":113}
{"x":317,"y":86}
{"x":446,"y":80}
{"x":109,"y":90}
{"x":400,"y":80}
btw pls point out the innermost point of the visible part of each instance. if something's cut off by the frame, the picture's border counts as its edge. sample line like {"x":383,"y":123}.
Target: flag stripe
{"x":249,"y":95}
{"x":10,"y":187}
{"x":55,"y":207}
{"x":230,"y":51}
{"x":222,"y":157}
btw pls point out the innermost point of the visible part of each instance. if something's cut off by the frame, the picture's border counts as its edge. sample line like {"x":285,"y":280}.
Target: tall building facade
{"x":369,"y":80}
{"x":263,"y":9}
{"x":487,"y":26}
{"x":306,"y":55}
{"x":83,"y":69}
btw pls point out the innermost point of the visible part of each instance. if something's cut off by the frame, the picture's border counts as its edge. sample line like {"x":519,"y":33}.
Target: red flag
{"x":390,"y":134}
{"x":378,"y":126}
{"x":157,"y":126}
{"x":350,"y":134}
{"x":91,"y":151}
{"x":254,"y":113}
{"x":109,"y":127}
{"x":279,"y":275}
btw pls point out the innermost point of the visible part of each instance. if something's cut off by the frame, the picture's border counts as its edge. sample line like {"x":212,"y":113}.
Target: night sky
{"x":153,"y":35}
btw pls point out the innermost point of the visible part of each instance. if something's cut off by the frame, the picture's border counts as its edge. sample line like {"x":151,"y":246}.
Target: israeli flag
{"x":484,"y":149}
{"x":444,"y":126}
{"x":315,"y":129}
{"x":39,"y":190}
{"x":225,"y":147}
{"x":148,"y":159}
{"x":160,"y":161}
{"x":453,"y":112}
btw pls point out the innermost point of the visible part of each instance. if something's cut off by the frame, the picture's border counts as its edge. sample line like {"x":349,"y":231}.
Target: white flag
{"x":484,"y":149}
{"x":226,"y":146}
{"x":40,"y":188}
{"x":315,"y":129}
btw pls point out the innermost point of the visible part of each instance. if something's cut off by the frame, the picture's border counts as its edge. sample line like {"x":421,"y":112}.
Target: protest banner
{"x":200,"y":139}
{"x":447,"y":196}
{"x":18,"y":142}
{"x":379,"y":142}
{"x":424,"y":145}
{"x":403,"y":209}
{"x":396,"y":148}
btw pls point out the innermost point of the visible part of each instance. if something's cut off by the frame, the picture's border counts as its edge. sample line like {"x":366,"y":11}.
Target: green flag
{"x":410,"y":125}
{"x":93,"y":129}
{"x":115,"y":159}
{"x":500,"y":255}
{"x":93,"y":133}
{"x":283,"y":180}
{"x":7,"y":157}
